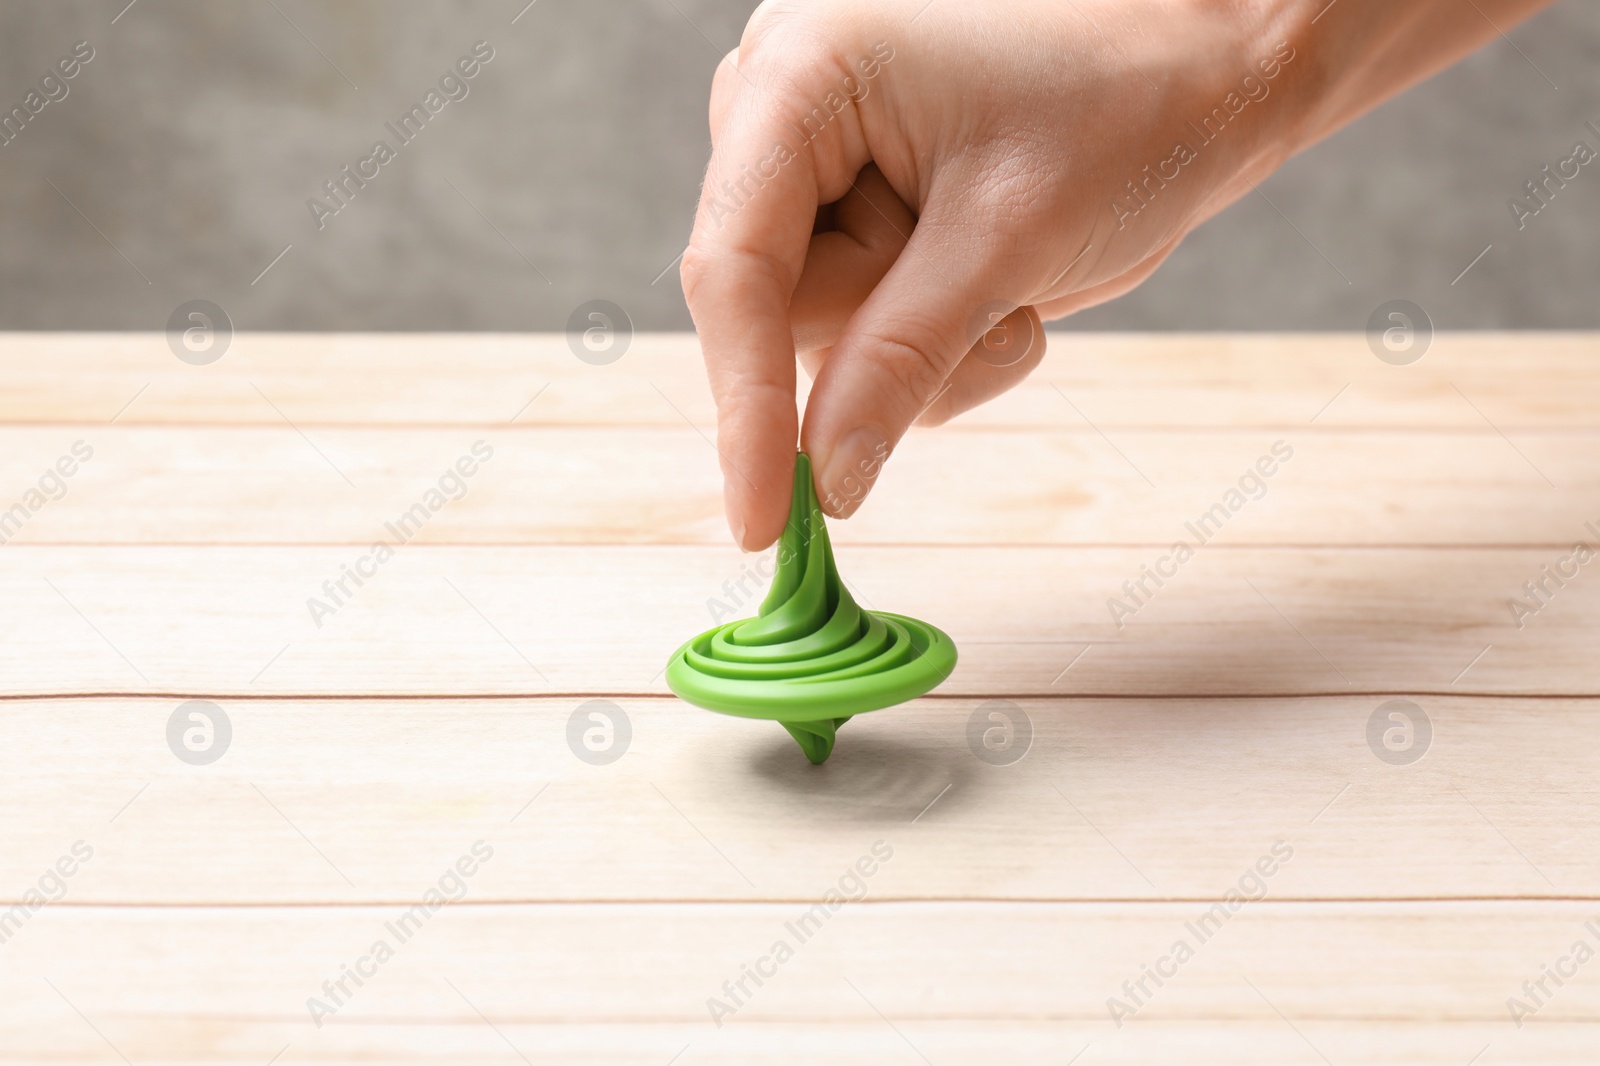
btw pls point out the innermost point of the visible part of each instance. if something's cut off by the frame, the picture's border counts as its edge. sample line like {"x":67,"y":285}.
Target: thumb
{"x":899,"y":349}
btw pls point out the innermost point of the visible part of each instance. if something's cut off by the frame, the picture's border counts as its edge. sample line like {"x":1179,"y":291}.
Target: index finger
{"x":751,"y":233}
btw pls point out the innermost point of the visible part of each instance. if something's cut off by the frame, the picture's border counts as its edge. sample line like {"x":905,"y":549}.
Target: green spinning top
{"x":811,"y":658}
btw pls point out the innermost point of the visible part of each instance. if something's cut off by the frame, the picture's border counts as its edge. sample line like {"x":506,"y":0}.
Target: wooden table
{"x":1394,"y":880}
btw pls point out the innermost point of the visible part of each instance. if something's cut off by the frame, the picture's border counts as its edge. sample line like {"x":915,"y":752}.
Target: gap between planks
{"x":678,"y":427}
{"x":959,"y":697}
{"x":806,"y":901}
{"x":839,"y":537}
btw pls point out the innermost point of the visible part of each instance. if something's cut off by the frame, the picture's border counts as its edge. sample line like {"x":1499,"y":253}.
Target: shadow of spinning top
{"x":811,"y":659}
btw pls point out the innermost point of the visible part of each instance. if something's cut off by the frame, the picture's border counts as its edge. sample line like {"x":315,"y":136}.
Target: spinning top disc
{"x":811,"y":658}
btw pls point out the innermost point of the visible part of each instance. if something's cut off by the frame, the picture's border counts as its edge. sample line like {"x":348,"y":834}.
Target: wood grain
{"x":274,"y":485}
{"x":229,"y":621}
{"x":1530,"y":381}
{"x":944,"y":981}
{"x":348,"y":802}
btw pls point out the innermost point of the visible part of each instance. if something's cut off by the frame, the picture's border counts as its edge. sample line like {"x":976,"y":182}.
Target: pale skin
{"x":889,"y":178}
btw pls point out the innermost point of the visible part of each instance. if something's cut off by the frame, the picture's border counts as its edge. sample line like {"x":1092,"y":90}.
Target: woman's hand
{"x":899,"y":191}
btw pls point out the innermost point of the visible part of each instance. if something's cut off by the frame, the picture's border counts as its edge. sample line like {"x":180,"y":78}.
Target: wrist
{"x":1215,"y":98}
{"x":1264,"y":79}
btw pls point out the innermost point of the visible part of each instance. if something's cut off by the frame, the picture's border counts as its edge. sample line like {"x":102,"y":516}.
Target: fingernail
{"x":850,"y":469}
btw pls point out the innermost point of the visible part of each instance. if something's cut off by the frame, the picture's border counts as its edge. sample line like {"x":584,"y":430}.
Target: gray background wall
{"x":195,"y":136}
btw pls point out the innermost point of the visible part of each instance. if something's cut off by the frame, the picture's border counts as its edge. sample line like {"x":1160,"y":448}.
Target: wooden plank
{"x":206,"y":485}
{"x":529,"y":621}
{"x":370,"y":1042}
{"x":1527,"y":381}
{"x":951,"y":981}
{"x":367,"y":801}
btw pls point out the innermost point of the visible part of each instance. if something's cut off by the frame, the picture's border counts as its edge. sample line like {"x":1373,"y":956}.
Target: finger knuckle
{"x":738,"y":271}
{"x":912,"y":363}
{"x":788,"y":42}
{"x":694,"y":271}
{"x":773,"y":20}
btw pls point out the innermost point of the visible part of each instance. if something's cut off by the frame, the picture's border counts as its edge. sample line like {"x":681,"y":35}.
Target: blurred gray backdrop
{"x":179,"y":162}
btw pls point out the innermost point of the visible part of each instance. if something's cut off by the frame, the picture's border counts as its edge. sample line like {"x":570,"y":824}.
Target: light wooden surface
{"x":1169,"y":755}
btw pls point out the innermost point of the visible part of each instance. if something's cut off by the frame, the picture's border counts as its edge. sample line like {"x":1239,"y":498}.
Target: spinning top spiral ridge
{"x":812,"y":657}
